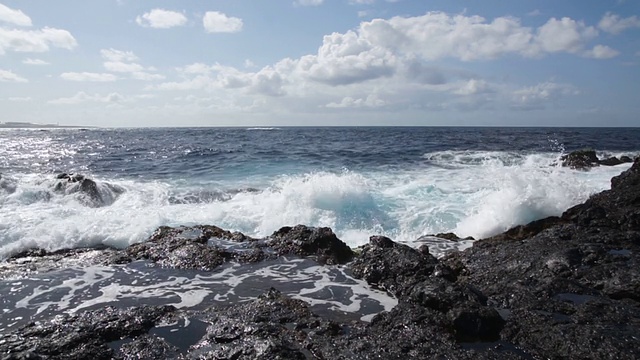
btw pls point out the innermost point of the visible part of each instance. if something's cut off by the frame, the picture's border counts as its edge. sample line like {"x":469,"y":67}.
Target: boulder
{"x":580,"y":159}
{"x":89,"y":192}
{"x":189,"y":248}
{"x":392,"y":266}
{"x":612,"y":161}
{"x":301,"y":240}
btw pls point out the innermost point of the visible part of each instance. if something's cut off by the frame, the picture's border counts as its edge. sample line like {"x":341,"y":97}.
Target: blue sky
{"x":320,"y":62}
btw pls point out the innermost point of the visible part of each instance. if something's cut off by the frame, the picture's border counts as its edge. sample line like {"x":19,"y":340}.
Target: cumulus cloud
{"x":10,"y":76}
{"x":20,"y":40}
{"x":30,"y":61}
{"x":564,"y":35}
{"x":12,"y":16}
{"x":217,"y":22}
{"x":601,"y":52}
{"x":161,"y":19}
{"x":83,"y":97}
{"x":87,"y":76}
{"x":35,"y":40}
{"x":347,"y":58}
{"x":614,"y":24}
{"x":399,"y":60}
{"x":472,"y":87}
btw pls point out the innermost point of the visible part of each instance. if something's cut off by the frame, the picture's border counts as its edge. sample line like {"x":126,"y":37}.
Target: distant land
{"x":28,"y":125}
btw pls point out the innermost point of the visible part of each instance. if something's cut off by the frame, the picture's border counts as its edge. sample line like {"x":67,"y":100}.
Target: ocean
{"x":395,"y":181}
{"x":402,"y":182}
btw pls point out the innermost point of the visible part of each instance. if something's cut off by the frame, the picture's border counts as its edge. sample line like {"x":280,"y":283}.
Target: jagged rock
{"x":566,"y":290}
{"x":612,"y":161}
{"x":305,"y":241}
{"x":580,"y":159}
{"x":183,"y":248}
{"x":90,"y":193}
{"x":521,"y":232}
{"x":83,"y":336}
{"x":392,"y":266}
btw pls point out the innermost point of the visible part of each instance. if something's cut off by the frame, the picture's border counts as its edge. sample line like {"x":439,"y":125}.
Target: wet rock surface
{"x":585,"y":159}
{"x":564,"y":287}
{"x":89,"y":192}
{"x":304,"y":241}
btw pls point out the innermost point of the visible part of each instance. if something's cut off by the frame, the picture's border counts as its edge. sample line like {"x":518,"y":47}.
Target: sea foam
{"x":474,"y":194}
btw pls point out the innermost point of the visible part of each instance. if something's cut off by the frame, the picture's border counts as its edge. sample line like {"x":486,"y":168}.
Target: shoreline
{"x":559,"y":287}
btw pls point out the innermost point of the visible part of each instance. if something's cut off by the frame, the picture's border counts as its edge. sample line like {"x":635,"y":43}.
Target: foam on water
{"x":329,"y":289}
{"x":470,"y":193}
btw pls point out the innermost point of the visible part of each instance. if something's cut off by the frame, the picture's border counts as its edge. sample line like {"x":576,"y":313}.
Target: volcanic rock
{"x":83,"y":336}
{"x":90,"y":192}
{"x":580,"y":159}
{"x":310,"y":241}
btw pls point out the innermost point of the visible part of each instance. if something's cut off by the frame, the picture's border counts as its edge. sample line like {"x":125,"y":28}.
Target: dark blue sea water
{"x":402,"y":182}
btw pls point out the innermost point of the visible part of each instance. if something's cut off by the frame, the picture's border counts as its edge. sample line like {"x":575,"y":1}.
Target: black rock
{"x":580,"y":159}
{"x":90,"y":192}
{"x":310,"y":241}
{"x":83,"y":336}
{"x":392,"y":266}
{"x":612,"y":161}
{"x":188,"y":248}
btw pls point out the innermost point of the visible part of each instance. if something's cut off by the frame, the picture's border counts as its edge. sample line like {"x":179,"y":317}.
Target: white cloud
{"x":308,"y":2}
{"x":161,"y":19}
{"x":117,"y":66}
{"x":30,"y":61}
{"x":20,"y":99}
{"x":394,"y":59}
{"x":612,"y":23}
{"x":472,"y":87}
{"x":87,"y":76}
{"x":538,"y":96}
{"x":601,"y":52}
{"x":10,"y":76}
{"x":15,"y":17}
{"x":437,"y":35}
{"x":564,"y":35}
{"x":145,"y":76}
{"x":361,"y":2}
{"x":347,"y":58}
{"x":124,"y":62}
{"x":83,"y":97}
{"x":118,"y":55}
{"x":217,"y":22}
{"x":371,"y":101}
{"x":35,"y":40}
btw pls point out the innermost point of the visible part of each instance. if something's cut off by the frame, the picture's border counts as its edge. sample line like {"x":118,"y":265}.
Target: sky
{"x":139,"y":63}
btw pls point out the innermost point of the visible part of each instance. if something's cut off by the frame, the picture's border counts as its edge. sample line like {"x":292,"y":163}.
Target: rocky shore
{"x":564,"y":287}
